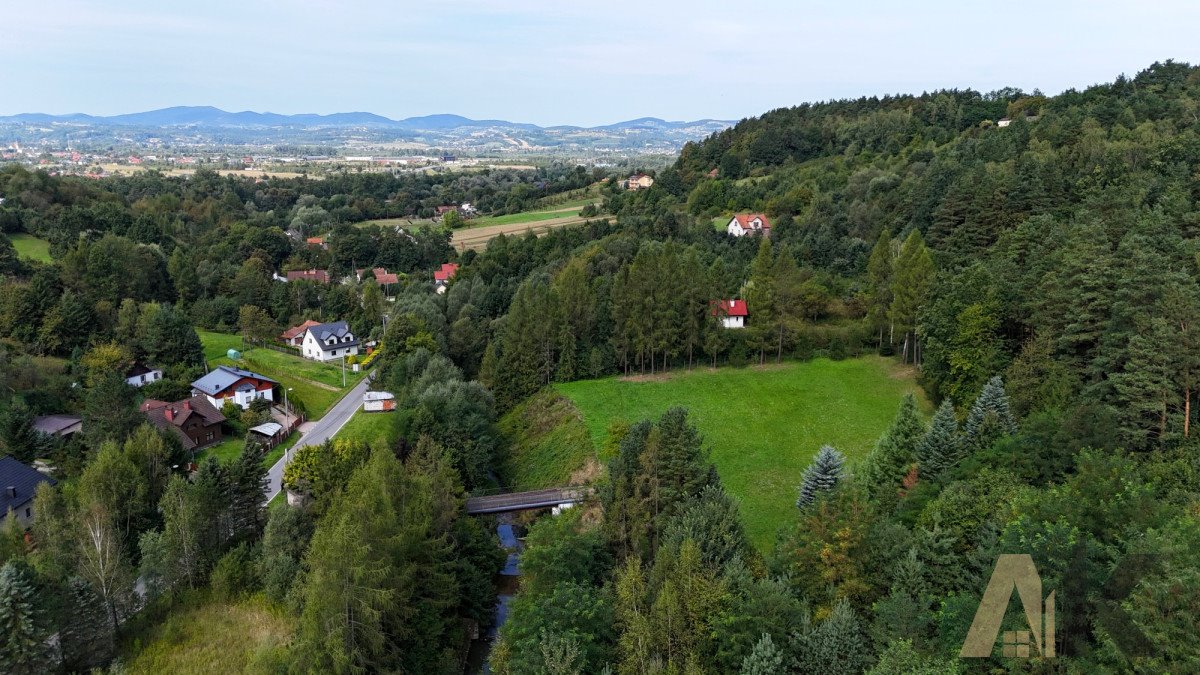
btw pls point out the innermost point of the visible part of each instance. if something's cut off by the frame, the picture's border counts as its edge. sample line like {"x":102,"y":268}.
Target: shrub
{"x":236,"y":573}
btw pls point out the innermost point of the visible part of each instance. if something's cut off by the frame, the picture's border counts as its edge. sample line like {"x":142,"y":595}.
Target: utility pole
{"x":287,"y":417}
{"x":343,"y":371}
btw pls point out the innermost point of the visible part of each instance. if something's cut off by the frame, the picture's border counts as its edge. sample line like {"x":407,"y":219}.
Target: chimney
{"x":187,"y":405}
{"x":170,"y":414}
{"x":12,"y":491}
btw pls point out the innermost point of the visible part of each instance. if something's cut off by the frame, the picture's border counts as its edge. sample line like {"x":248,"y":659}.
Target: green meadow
{"x":763,"y":424}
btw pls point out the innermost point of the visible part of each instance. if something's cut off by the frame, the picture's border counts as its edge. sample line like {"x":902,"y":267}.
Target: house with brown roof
{"x":294,"y":336}
{"x":743,"y":224}
{"x":442,"y":277}
{"x":638,"y":181}
{"x":319,"y":276}
{"x":195,"y":421}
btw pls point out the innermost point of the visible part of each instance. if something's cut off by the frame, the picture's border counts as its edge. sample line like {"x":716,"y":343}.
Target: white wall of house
{"x":312,"y":349}
{"x":145,"y":378}
{"x":241,"y":398}
{"x":733,"y":321}
{"x":734,"y":228}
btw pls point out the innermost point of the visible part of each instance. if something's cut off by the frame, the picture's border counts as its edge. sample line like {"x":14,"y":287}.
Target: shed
{"x":379,"y":401}
{"x":272,"y":432}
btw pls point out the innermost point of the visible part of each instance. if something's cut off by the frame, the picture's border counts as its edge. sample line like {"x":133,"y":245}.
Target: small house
{"x":294,"y":336}
{"x":61,"y":426}
{"x":318,"y":276}
{"x":195,"y":421}
{"x":743,"y":224}
{"x":140,"y":375}
{"x":19,"y":482}
{"x":319,"y":242}
{"x":732,"y":313}
{"x":269,"y":434}
{"x":442,"y":277}
{"x":638,"y":181}
{"x":328,"y":341}
{"x":226,"y":383}
{"x":379,"y":401}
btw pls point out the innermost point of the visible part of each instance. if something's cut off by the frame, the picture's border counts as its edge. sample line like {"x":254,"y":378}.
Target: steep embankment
{"x":548,"y":443}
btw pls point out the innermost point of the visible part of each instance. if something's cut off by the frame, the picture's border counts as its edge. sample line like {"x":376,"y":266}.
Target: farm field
{"x":316,"y":385}
{"x":29,"y":246}
{"x":248,"y":636}
{"x":763,"y":424}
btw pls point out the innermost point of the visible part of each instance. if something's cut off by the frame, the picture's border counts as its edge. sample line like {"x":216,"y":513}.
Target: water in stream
{"x":507,"y":580}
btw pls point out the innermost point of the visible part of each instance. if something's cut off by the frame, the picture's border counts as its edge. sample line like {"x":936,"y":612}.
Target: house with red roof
{"x":319,"y":276}
{"x":442,"y":277}
{"x":732,"y":313}
{"x":316,"y":241}
{"x":294,"y":336}
{"x":743,"y":224}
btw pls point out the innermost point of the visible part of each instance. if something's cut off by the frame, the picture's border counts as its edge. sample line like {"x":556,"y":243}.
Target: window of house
{"x":28,"y":512}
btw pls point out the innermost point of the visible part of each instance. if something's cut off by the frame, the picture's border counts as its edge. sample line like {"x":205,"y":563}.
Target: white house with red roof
{"x":234,"y":384}
{"x":442,"y":277}
{"x":732,"y":313}
{"x":743,"y":224}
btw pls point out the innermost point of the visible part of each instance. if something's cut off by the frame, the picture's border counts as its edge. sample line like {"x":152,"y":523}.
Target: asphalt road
{"x":322,"y":430}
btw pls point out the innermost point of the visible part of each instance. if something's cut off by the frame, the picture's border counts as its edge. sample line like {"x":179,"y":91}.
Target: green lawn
{"x":205,"y":635}
{"x":29,"y":246}
{"x":229,"y":449}
{"x":547,"y":442}
{"x":315,"y":384}
{"x":763,"y":424}
{"x":372,"y":427}
{"x":526,"y":216}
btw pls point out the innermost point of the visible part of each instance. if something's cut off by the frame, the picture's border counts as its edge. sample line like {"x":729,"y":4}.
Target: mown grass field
{"x":29,"y":246}
{"x":372,"y":428}
{"x":230,"y":449}
{"x":210,"y":636}
{"x":762,"y":424}
{"x":316,"y":385}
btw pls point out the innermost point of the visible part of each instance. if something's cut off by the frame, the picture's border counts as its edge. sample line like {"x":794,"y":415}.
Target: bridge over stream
{"x":524,"y":501}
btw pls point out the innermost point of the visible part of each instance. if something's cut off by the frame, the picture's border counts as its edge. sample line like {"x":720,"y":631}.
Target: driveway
{"x":320,"y":431}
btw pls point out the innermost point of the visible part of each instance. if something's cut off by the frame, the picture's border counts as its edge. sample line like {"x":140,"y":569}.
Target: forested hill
{"x":1064,"y":241}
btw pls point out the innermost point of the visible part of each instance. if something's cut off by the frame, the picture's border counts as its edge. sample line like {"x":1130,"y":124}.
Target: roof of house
{"x":175,"y":415}
{"x":315,"y":240}
{"x":744,"y":219}
{"x":336,"y":329}
{"x":446,"y":208}
{"x":297,"y":331}
{"x":267,"y":428}
{"x":223,"y":377}
{"x":138,"y":368}
{"x":730,"y":308}
{"x":22,"y":479}
{"x":321,"y":276}
{"x":378,"y":396}
{"x":382,"y":276}
{"x":55,"y":424}
{"x":446,"y":273}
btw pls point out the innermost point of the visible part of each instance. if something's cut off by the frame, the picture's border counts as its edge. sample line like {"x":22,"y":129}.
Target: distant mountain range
{"x":208,"y":116}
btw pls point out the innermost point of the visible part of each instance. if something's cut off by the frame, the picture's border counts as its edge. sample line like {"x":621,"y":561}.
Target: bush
{"x":236,"y":573}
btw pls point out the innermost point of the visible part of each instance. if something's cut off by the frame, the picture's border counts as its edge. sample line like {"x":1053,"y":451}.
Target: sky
{"x":565,"y":62}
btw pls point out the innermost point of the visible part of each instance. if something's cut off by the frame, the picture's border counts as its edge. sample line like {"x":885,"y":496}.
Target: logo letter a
{"x":1011,"y":570}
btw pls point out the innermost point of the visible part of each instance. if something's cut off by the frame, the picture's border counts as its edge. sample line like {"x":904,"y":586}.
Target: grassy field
{"x":559,"y":211}
{"x":229,"y":449}
{"x":209,"y":636}
{"x":763,"y":424}
{"x":29,"y":246}
{"x":372,"y":428}
{"x":316,"y":385}
{"x":547,"y":442}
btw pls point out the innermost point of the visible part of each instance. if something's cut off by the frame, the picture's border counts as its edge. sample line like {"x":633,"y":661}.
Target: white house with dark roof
{"x":226,"y":383}
{"x":18,"y":483}
{"x":329,"y":341}
{"x":139,"y":374}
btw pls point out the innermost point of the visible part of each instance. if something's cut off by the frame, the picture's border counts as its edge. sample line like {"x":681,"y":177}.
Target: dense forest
{"x":1041,"y":274}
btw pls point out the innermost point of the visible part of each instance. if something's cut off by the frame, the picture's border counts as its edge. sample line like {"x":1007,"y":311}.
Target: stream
{"x":507,"y":581}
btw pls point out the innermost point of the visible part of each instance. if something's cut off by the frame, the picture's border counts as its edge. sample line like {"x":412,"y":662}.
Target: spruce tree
{"x":911,"y":280}
{"x":86,"y":637}
{"x":23,"y":629}
{"x":942,"y":446}
{"x":838,"y":645}
{"x":990,"y":415}
{"x":894,"y":454}
{"x":822,"y":475}
{"x":764,"y":659}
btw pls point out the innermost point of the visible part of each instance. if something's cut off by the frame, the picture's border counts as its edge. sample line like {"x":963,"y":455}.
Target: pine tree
{"x":761,"y":298}
{"x":942,"y":446}
{"x":822,"y":475}
{"x":879,"y":282}
{"x":23,"y":629}
{"x":911,"y":279}
{"x":764,"y":659}
{"x":247,"y":482}
{"x":86,"y":638}
{"x":838,"y":645}
{"x":990,"y":415}
{"x":894,"y":454}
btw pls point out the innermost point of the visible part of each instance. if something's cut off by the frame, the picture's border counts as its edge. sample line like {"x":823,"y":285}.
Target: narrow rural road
{"x":322,"y":430}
